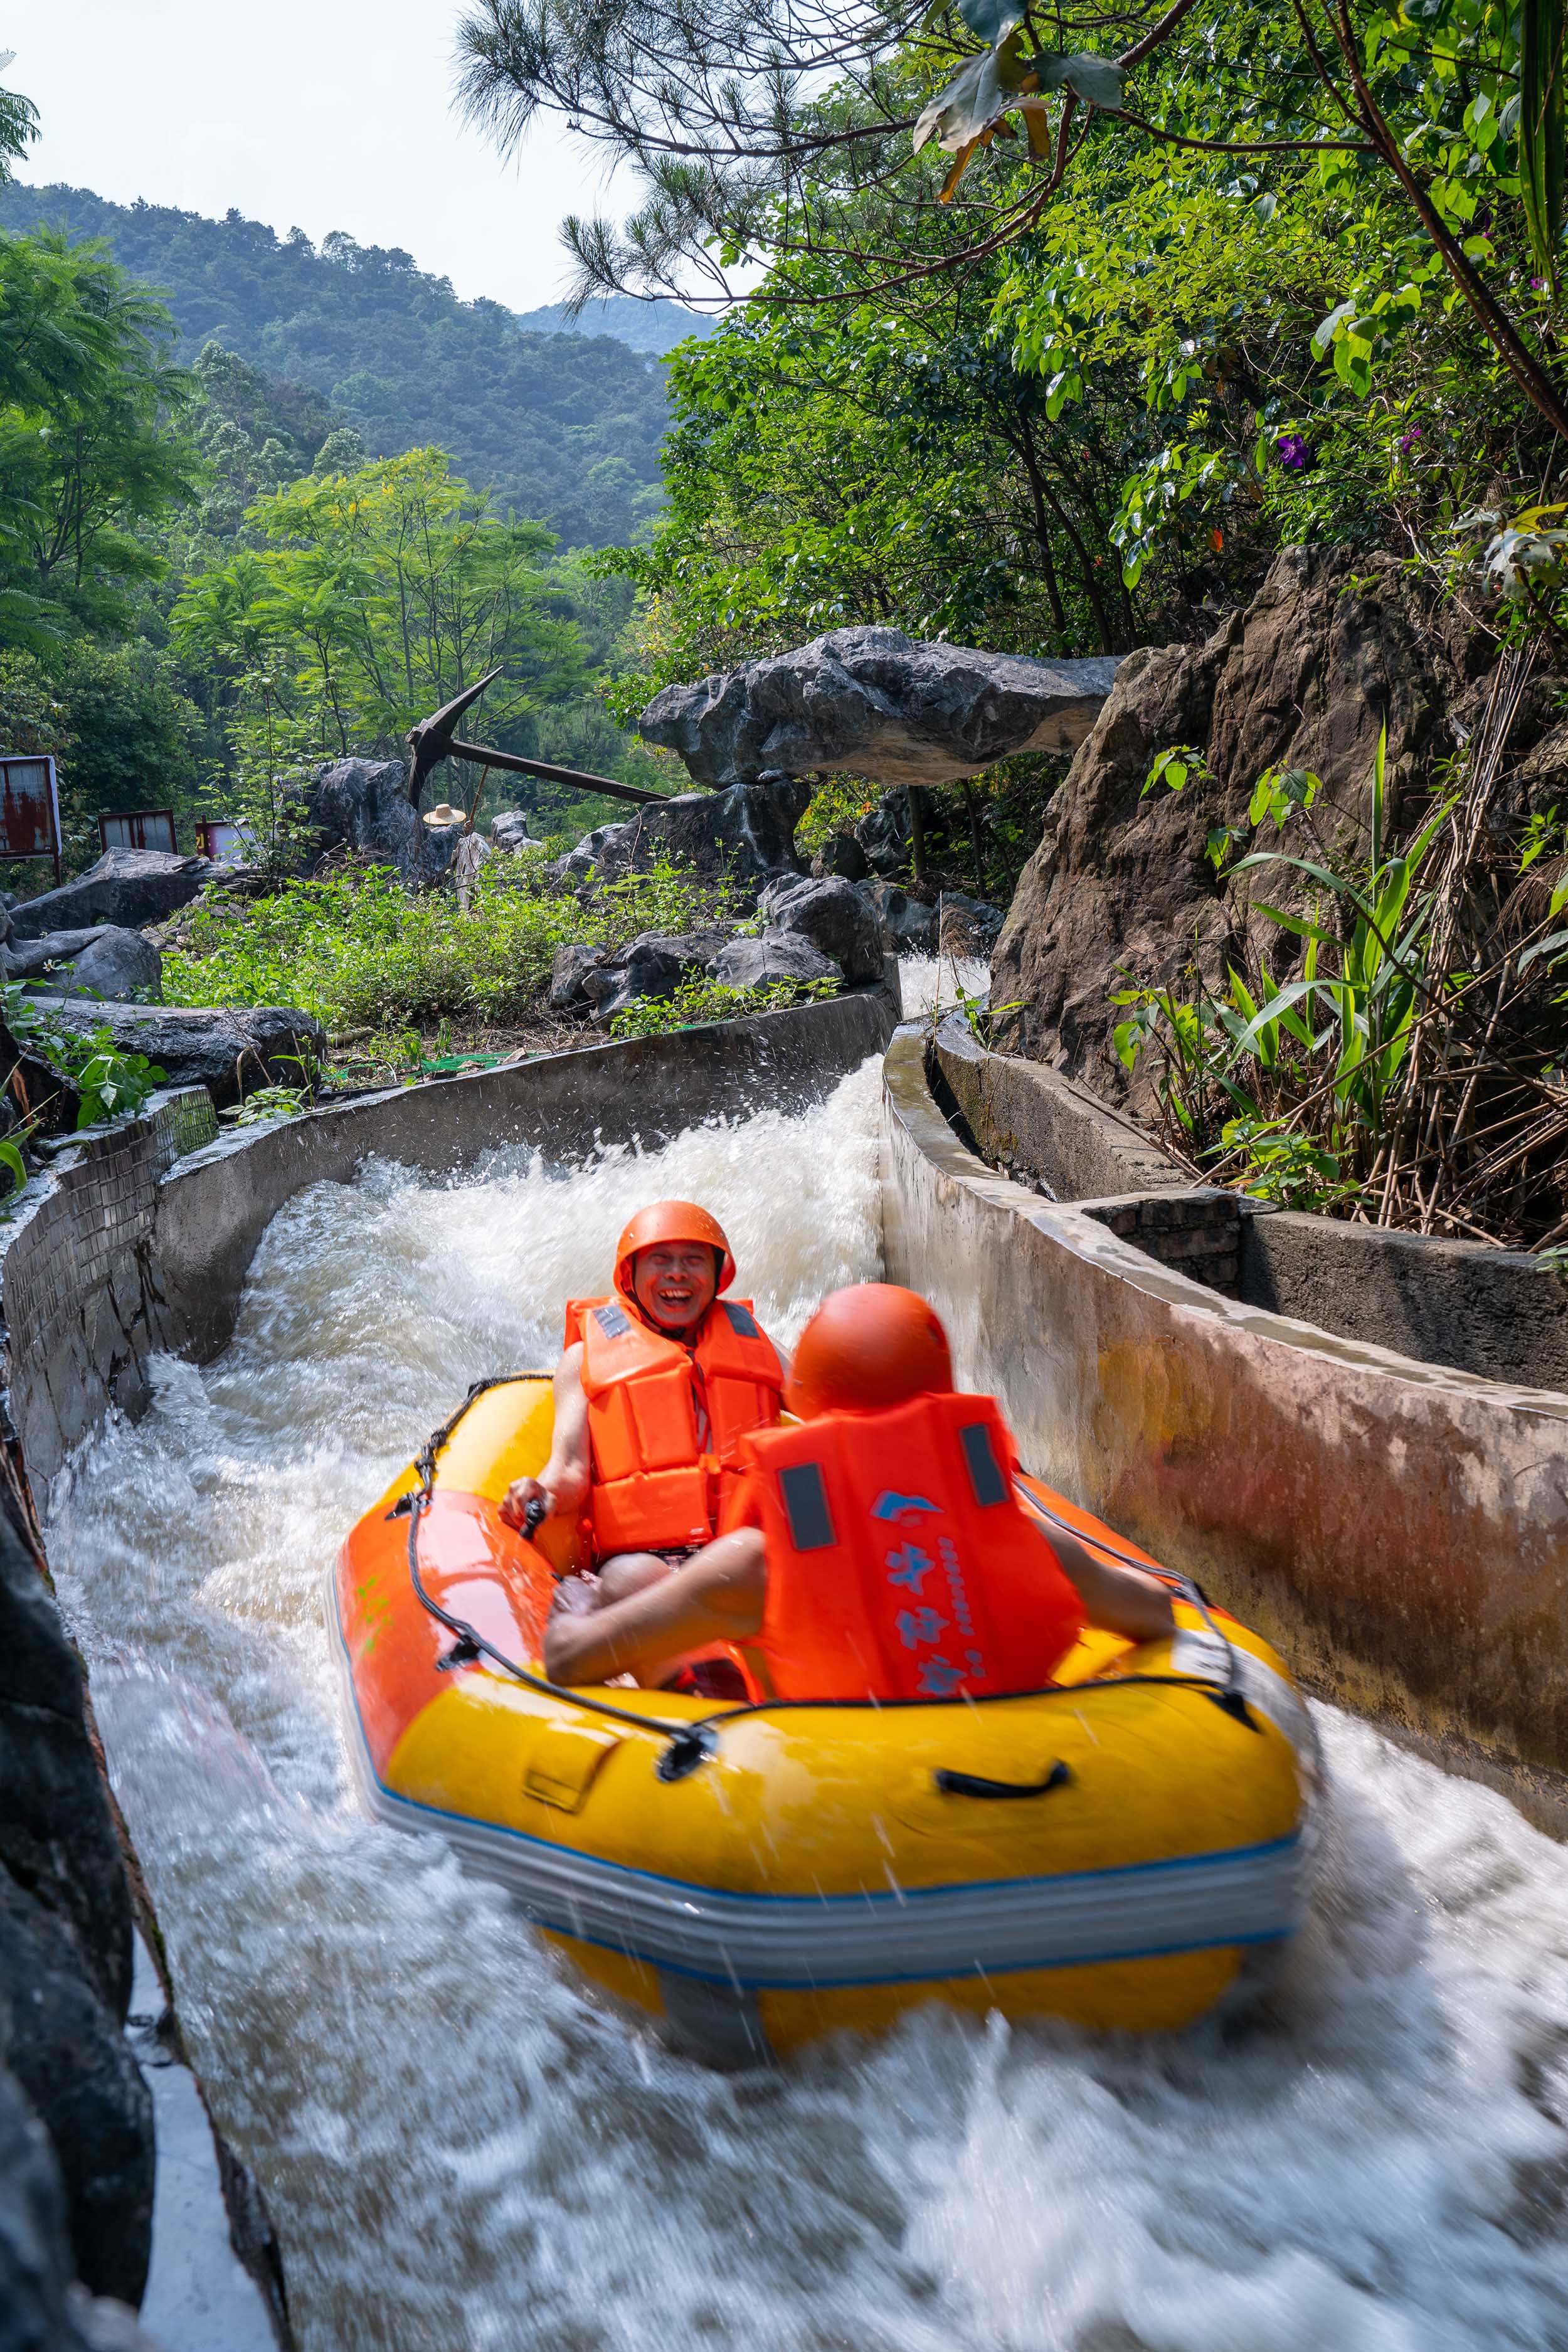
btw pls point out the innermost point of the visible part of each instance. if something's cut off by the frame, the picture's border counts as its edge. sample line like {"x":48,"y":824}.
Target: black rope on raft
{"x":1232,"y":1699}
{"x":688,"y":1744}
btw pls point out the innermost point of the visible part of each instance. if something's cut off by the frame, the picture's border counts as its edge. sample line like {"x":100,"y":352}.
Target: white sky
{"x":327,"y":113}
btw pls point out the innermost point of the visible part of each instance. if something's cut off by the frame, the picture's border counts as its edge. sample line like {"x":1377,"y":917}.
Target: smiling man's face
{"x":675,"y":1283}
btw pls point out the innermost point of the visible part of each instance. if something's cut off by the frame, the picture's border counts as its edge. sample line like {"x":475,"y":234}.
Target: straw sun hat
{"x":445,"y":814}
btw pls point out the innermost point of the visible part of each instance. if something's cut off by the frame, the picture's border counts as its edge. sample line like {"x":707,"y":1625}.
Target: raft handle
{"x":969,"y":1784}
{"x":688,"y":1748}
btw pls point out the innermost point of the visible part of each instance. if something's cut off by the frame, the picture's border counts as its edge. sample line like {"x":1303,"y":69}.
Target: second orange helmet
{"x":867,"y":1347}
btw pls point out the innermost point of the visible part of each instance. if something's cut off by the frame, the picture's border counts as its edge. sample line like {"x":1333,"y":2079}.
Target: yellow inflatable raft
{"x":1119,"y":1850}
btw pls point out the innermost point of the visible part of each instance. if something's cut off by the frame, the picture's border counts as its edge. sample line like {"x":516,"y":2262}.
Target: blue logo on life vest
{"x":891,"y":1505}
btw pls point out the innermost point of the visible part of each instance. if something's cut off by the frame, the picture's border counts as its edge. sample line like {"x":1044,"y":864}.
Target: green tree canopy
{"x":87,"y":459}
{"x":367,"y":599}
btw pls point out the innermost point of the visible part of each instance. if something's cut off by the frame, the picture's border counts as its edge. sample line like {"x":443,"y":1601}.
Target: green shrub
{"x":712,"y":999}
{"x":359,"y":951}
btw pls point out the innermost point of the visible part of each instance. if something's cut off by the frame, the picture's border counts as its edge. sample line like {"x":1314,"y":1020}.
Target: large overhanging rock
{"x":875,"y":703}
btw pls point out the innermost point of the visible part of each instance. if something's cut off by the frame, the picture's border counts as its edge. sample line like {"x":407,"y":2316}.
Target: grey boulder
{"x":842,"y":854}
{"x":742,"y":836}
{"x":230,"y":1052}
{"x":25,"y":957}
{"x":967,"y":927}
{"x":834,"y":917}
{"x":509,"y":831}
{"x":883,"y":833}
{"x":581,"y":864}
{"x":776,"y":956}
{"x":905,"y":926}
{"x":127,"y":887}
{"x":652,"y":966}
{"x":364,"y":805}
{"x":118,"y":964}
{"x":571,"y":968}
{"x":873,"y":702}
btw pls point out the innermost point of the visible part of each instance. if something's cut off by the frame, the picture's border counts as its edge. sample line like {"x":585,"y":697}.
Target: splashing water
{"x":926,"y":982}
{"x":464,"y":2148}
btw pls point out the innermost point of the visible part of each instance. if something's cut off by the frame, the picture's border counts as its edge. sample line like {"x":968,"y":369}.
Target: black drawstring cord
{"x":689,"y":1744}
{"x":1232,"y":1697}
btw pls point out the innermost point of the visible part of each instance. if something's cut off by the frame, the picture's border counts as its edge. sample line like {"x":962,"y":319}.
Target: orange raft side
{"x":471,"y":1563}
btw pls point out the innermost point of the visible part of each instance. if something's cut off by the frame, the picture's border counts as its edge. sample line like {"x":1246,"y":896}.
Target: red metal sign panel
{"x":138,"y":829}
{"x":29,"y":809}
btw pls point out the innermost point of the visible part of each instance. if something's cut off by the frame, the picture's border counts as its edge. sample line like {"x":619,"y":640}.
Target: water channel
{"x":463,"y":2147}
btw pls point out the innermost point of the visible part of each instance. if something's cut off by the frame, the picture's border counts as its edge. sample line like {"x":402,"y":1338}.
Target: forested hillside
{"x":563,"y":427}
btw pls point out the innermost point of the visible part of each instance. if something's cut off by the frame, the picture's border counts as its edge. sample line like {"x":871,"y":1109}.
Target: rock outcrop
{"x":744,"y":835}
{"x":75,"y":2124}
{"x":363,"y":804}
{"x":127,"y":888}
{"x":832,"y":916}
{"x":230,"y":1052}
{"x":873,"y":702}
{"x":652,"y":966}
{"x":906,"y":925}
{"x":509,"y":832}
{"x":1120,"y":884}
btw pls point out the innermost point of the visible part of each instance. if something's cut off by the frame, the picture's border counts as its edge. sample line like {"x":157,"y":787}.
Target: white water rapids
{"x":462,"y":2146}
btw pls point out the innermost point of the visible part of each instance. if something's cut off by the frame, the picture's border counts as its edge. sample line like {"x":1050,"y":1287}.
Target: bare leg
{"x":718,"y":1597}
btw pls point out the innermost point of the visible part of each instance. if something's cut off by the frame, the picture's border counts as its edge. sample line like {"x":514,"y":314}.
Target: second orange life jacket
{"x":665,"y":1421}
{"x":900,"y":1565}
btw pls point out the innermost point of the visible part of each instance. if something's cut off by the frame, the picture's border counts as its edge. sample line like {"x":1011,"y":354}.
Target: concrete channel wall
{"x":1399,"y":1529}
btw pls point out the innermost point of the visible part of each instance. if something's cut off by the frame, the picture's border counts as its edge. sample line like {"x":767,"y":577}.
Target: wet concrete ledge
{"x":1498,"y":1313}
{"x":1399,"y":1529}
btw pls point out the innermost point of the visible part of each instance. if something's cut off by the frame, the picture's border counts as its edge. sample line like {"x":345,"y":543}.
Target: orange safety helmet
{"x":670,"y":1220}
{"x":867,"y":1347}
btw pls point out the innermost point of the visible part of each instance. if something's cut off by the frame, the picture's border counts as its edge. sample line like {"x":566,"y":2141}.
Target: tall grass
{"x":1408,"y":1072}
{"x":358,"y":951}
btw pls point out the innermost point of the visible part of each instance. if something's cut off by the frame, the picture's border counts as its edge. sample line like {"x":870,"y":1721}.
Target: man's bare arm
{"x":562,"y":1484}
{"x":1125,"y":1600}
{"x":717,"y":1598}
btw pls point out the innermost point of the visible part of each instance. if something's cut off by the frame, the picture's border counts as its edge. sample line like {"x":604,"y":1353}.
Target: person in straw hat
{"x":470,"y":854}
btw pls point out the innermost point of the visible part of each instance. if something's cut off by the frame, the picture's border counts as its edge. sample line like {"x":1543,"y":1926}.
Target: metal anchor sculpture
{"x":433,"y":739}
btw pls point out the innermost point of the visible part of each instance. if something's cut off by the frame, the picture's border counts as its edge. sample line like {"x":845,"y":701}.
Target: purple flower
{"x":1407,"y":440}
{"x":1292,"y":452}
{"x":1538,"y":285}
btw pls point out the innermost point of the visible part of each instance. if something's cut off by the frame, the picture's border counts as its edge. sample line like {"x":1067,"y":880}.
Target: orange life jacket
{"x":665,"y":1421}
{"x":900,"y":1565}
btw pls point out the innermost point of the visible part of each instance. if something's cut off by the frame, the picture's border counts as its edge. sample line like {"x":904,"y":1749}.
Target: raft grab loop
{"x":970,"y":1784}
{"x":1228,"y":1695}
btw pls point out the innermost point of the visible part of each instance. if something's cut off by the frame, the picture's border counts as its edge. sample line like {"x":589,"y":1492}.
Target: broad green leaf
{"x":990,"y":20}
{"x":1097,"y":80}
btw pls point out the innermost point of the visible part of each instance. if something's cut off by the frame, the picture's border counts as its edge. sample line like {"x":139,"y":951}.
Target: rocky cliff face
{"x":76,"y":2122}
{"x":1304,"y":676}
